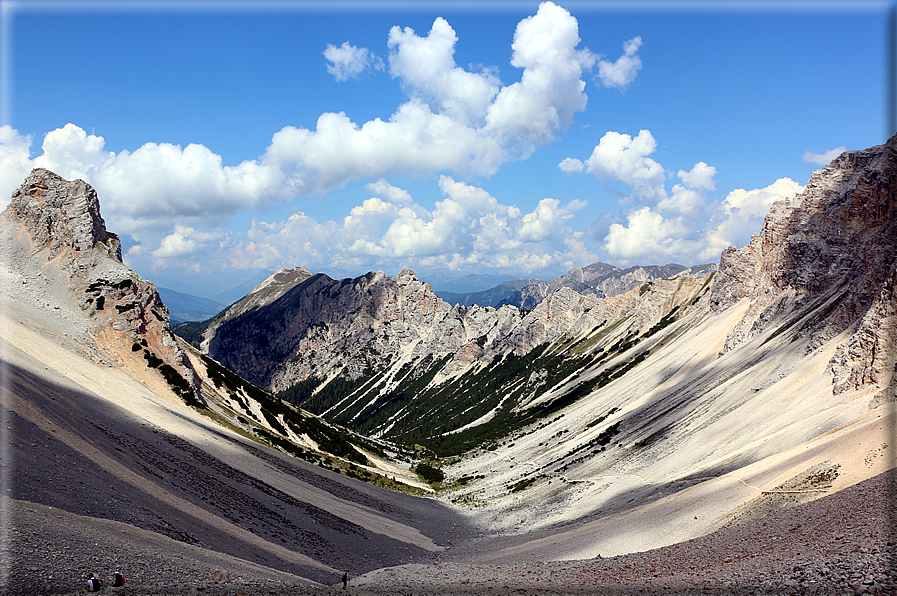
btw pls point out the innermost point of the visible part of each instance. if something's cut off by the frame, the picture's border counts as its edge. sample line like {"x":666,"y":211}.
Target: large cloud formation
{"x":467,"y":226}
{"x":453,"y":120}
{"x":176,"y":202}
{"x":681,"y":225}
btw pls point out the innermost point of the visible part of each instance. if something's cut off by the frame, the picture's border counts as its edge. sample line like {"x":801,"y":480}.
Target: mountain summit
{"x":65,"y":241}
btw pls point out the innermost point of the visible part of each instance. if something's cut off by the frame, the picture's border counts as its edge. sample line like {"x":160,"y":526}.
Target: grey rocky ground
{"x":840,"y":544}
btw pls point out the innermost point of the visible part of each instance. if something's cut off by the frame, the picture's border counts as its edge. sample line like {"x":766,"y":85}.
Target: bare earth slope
{"x":841,"y":544}
{"x":777,"y":388}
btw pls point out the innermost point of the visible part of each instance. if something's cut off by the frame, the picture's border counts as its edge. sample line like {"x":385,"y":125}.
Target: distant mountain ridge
{"x":598,"y":279}
{"x":491,"y":297}
{"x":601,"y":280}
{"x":186,"y":307}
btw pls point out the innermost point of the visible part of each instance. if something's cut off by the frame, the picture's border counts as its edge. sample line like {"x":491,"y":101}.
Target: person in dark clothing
{"x":345,"y":580}
{"x":118,"y":580}
{"x":93,"y":584}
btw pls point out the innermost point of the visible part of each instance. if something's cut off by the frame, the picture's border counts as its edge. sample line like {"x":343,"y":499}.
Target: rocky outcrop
{"x":62,"y":221}
{"x":63,"y":217}
{"x":826,"y":258}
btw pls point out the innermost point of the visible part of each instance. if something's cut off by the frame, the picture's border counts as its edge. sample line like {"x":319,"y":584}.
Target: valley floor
{"x":840,"y":544}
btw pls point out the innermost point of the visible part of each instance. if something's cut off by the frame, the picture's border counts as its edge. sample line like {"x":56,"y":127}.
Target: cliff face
{"x":824,"y":264}
{"x":61,"y":220}
{"x":353,"y":327}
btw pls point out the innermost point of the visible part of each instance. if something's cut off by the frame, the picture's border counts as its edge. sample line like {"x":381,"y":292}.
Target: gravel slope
{"x":841,"y":544}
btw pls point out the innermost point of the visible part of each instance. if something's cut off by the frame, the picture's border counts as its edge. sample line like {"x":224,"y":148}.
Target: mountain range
{"x":618,"y":411}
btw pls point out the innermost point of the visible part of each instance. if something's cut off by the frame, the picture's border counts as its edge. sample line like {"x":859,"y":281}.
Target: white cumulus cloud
{"x":823,"y":159}
{"x":571,"y":165}
{"x":350,"y":62}
{"x":454,"y":119}
{"x":684,"y":224}
{"x":622,"y":158}
{"x":468,"y":226}
{"x":647,"y":233}
{"x":700,"y":177}
{"x":550,"y":90}
{"x":427,"y":69}
{"x":388,"y":192}
{"x":15,"y":161}
{"x":157,"y":185}
{"x":622,"y":73}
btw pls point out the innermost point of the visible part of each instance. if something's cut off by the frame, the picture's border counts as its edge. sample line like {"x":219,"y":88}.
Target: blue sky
{"x":514,"y":139}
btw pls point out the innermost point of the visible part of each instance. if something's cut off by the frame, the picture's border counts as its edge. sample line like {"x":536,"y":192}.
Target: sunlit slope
{"x":679,"y":407}
{"x":779,"y":389}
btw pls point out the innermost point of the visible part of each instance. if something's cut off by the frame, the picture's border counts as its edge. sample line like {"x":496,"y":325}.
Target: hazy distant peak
{"x":285,"y":277}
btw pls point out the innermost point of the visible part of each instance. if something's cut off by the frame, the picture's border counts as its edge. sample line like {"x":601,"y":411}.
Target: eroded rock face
{"x":828,"y":253}
{"x":322,"y":324}
{"x":63,"y":222}
{"x":62,"y":216}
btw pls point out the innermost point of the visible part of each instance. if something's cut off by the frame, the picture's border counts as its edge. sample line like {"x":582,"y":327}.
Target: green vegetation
{"x":463,"y":480}
{"x":602,"y":418}
{"x":662,"y":323}
{"x":416,"y":412}
{"x":176,"y":380}
{"x":601,"y":441}
{"x":329,"y":439}
{"x":522,"y":485}
{"x":151,"y":359}
{"x":429,"y":473}
{"x":191,"y":331}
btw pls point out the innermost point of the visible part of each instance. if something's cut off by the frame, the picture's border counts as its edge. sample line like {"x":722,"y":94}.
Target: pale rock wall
{"x":830,"y":249}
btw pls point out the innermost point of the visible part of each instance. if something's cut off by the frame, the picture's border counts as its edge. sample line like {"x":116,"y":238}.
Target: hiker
{"x":118,"y":580}
{"x":345,"y":580}
{"x":93,"y":584}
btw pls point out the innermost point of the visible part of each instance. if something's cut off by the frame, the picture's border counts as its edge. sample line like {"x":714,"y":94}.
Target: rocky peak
{"x":61,"y":215}
{"x":830,"y":249}
{"x":284,"y":278}
{"x":62,"y":222}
